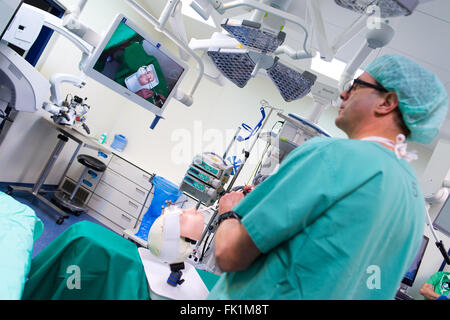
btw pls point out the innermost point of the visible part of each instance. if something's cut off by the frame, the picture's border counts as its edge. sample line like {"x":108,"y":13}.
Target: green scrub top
{"x":340,"y":219}
{"x":441,"y":283}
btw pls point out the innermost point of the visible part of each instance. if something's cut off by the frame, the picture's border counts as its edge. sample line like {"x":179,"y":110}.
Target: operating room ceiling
{"x":423,"y":36}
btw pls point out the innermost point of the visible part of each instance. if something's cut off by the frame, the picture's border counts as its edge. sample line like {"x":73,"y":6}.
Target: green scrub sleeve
{"x":434,"y":279}
{"x":269,"y":214}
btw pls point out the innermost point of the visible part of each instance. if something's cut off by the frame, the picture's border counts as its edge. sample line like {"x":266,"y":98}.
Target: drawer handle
{"x":133,"y":204}
{"x":146,"y":177}
{"x":93,"y":174}
{"x":126,"y":218}
{"x":140,"y":191}
{"x":101,"y":154}
{"x":86,"y":182}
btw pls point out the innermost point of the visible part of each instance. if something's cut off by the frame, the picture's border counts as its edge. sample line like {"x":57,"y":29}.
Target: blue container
{"x":119,"y":142}
{"x":164,"y":191}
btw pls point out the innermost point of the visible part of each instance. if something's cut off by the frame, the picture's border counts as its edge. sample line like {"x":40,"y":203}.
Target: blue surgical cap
{"x":423,"y":100}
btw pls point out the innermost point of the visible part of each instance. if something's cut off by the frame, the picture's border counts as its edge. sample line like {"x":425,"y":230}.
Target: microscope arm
{"x":60,"y":108}
{"x":55,"y":86}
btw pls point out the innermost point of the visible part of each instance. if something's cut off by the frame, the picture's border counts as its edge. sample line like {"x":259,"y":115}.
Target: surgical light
{"x":387,"y":8}
{"x":253,"y":44}
{"x":239,"y":65}
{"x":292,"y":84}
{"x":235,"y":64}
{"x":251,"y":34}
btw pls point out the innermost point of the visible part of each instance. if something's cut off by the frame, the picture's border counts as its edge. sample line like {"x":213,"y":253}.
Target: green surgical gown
{"x":87,"y":262}
{"x":340,"y":219}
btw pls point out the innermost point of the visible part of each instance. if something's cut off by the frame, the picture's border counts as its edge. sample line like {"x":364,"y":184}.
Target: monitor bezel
{"x":89,"y":70}
{"x":410,"y":282}
{"x":438,"y":226}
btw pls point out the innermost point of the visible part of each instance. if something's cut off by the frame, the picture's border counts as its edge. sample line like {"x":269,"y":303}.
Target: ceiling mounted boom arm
{"x":261,"y":6}
{"x":375,"y":38}
{"x":348,"y":34}
{"x":327,"y":51}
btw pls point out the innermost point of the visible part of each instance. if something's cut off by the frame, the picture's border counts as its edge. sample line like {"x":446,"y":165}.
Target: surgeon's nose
{"x":344,"y":95}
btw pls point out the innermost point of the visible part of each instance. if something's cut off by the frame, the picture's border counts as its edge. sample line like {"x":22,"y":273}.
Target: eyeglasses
{"x":359,"y":82}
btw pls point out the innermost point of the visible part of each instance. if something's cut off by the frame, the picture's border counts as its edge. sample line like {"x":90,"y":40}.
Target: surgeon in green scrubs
{"x":341,"y":218}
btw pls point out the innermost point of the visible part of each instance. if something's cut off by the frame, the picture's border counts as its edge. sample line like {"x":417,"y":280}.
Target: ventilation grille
{"x":68,"y":186}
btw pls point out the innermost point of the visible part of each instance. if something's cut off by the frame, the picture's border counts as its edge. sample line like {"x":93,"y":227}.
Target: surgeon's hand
{"x":229,"y":200}
{"x":427,"y":290}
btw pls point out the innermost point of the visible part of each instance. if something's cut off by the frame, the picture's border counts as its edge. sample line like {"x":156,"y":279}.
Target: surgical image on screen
{"x":136,"y":64}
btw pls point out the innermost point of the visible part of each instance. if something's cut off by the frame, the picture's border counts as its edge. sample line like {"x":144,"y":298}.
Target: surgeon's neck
{"x":383,"y":132}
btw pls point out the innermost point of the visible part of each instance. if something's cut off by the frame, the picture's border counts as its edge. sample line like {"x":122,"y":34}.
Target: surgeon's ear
{"x":387,"y":104}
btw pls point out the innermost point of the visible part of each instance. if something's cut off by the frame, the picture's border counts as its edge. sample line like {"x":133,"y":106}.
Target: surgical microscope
{"x":65,"y":112}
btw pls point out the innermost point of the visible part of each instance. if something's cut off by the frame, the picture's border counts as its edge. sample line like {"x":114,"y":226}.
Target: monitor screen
{"x":135,"y":65}
{"x":411,"y":274}
{"x":442,"y":221}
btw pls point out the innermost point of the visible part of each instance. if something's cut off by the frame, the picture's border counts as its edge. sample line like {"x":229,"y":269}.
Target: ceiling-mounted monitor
{"x":442,"y":221}
{"x":135,"y":65}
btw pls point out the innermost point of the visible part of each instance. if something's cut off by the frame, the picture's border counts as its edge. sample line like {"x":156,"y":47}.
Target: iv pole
{"x":210,"y":227}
